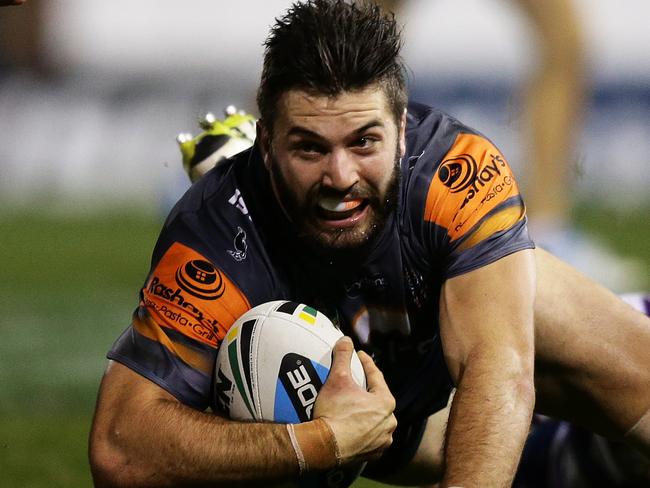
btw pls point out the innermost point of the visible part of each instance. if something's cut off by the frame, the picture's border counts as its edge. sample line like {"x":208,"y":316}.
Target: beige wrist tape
{"x":315,"y":445}
{"x":302,"y":466}
{"x":639,"y":435}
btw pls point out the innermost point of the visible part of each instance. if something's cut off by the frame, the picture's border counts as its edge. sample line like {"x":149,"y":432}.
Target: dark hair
{"x":330,"y":46}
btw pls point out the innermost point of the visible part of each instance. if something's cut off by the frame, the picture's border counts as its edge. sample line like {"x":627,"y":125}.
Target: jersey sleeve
{"x":186,"y":307}
{"x":473,"y":210}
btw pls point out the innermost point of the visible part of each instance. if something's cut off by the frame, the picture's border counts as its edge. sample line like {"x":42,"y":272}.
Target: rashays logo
{"x":461,"y":173}
{"x":200,"y":279}
{"x":205,"y":328}
{"x":485,"y":176}
{"x":175,"y":296}
{"x":301,"y":383}
{"x":458,"y":173}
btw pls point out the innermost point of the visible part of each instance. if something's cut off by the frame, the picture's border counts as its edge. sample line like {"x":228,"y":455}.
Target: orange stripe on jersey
{"x":144,"y":325}
{"x":187,"y":293}
{"x":501,"y":220}
{"x":472,"y":180}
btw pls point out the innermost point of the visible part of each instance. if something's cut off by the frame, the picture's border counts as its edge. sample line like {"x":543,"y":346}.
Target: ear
{"x":264,"y":140}
{"x":402,"y":134}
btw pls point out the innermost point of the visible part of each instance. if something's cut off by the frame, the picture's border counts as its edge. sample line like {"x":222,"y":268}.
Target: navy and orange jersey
{"x":226,"y":247}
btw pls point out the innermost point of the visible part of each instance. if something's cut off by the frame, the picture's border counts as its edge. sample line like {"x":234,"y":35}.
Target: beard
{"x":304,"y":215}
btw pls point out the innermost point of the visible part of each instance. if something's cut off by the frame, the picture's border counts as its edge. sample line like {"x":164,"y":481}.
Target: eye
{"x":309,"y":147}
{"x":365,"y":142}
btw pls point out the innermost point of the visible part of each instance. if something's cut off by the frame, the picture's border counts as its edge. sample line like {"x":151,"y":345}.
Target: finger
{"x":374,"y":377}
{"x":342,"y":356}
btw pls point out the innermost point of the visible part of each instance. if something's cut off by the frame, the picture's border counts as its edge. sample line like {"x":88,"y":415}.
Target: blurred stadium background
{"x":92,"y":95}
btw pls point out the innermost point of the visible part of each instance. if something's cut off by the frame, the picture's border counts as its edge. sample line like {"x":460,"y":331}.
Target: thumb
{"x":342,"y":356}
{"x":374,"y":377}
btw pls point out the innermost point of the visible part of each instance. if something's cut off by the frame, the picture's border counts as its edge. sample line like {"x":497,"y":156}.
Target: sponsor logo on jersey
{"x":375,"y":283}
{"x":239,"y":243}
{"x":175,"y":297}
{"x":202,"y":327}
{"x":186,"y":292}
{"x":237,"y":201}
{"x":472,"y":180}
{"x":200,"y":279}
{"x":492,"y":193}
{"x":458,"y":173}
{"x":301,"y":382}
{"x":489,"y":172}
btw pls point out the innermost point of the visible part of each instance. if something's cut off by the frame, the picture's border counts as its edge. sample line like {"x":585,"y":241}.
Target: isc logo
{"x":301,"y":382}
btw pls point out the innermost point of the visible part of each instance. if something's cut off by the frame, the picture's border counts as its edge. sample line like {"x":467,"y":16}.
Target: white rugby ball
{"x":273,"y":362}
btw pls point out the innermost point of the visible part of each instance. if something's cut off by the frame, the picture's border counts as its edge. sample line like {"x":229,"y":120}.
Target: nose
{"x":340,"y":171}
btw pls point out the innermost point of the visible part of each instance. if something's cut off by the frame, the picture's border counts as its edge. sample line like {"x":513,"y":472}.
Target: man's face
{"x":334,"y":164}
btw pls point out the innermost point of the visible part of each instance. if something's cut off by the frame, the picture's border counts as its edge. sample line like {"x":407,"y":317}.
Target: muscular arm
{"x":143,"y":436}
{"x":487,"y":333}
{"x":136,"y":420}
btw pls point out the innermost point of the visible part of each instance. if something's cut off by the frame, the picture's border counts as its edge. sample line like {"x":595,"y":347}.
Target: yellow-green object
{"x":231,"y":127}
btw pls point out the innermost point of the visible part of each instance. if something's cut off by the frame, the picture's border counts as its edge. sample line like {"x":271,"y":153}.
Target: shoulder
{"x":430,"y":131}
{"x":433,"y":138}
{"x":207,"y":217}
{"x":212,"y":192}
{"x":458,"y":187}
{"x":209,"y":253}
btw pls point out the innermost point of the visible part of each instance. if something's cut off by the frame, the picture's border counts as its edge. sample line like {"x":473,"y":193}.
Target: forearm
{"x":175,"y":445}
{"x":489,"y":420}
{"x":142,"y":436}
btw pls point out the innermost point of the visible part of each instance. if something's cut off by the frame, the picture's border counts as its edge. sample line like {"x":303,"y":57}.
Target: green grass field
{"x":68,"y":287}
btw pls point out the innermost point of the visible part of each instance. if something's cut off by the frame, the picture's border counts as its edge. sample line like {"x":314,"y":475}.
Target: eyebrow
{"x":297,"y":130}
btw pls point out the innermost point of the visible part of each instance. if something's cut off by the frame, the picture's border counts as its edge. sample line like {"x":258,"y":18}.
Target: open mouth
{"x":340,"y":209}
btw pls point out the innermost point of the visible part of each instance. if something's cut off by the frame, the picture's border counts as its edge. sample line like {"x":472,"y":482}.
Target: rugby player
{"x":405,"y":227}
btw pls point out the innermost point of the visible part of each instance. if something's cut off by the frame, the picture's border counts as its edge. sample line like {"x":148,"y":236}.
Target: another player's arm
{"x":143,"y":436}
{"x":488,"y":338}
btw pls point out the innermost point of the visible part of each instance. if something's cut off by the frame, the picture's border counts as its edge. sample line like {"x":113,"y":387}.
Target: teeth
{"x":338,"y":205}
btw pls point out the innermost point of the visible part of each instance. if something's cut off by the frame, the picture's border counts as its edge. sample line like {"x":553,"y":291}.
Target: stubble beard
{"x":333,"y":241}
